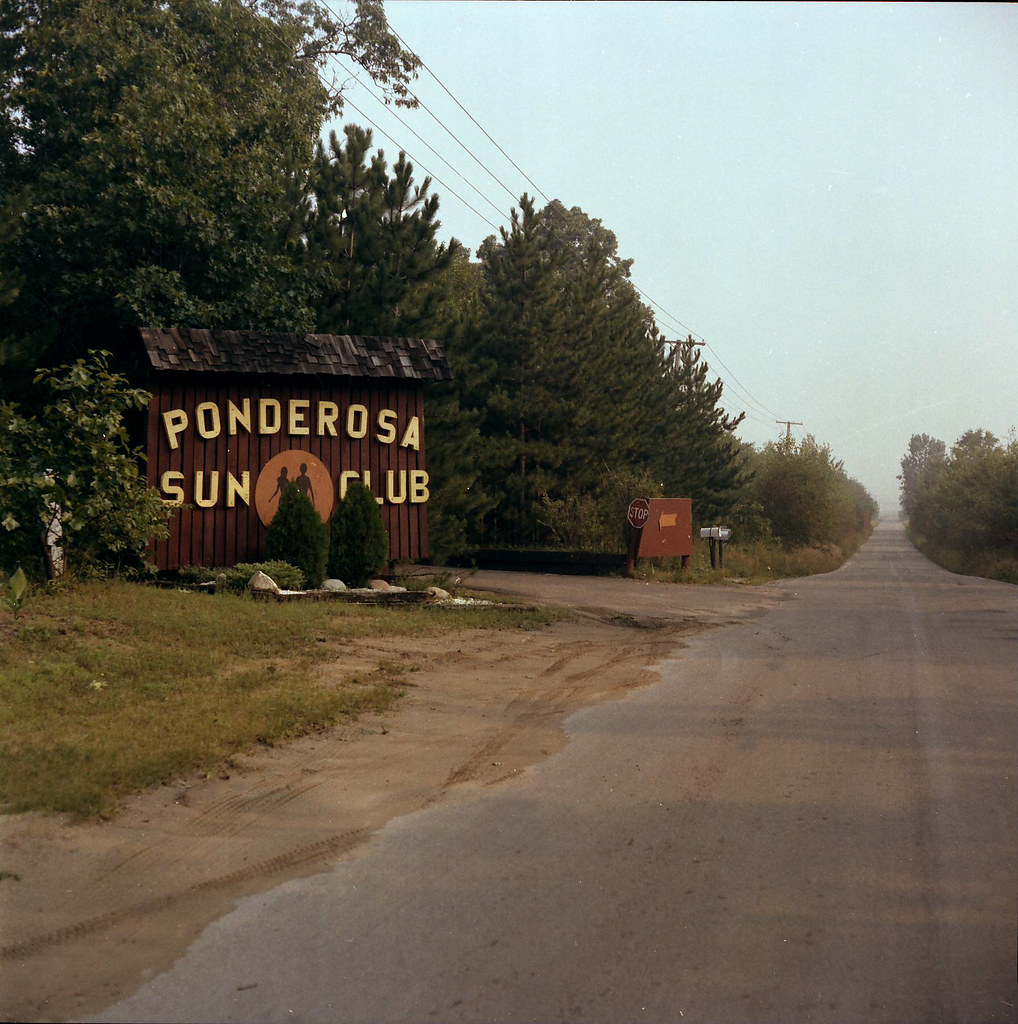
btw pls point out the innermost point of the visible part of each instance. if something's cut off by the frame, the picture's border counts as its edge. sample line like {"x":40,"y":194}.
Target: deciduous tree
{"x":150,"y":153}
{"x":70,"y":476}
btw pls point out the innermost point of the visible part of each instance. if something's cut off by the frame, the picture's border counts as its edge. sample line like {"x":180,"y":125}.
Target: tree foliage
{"x":962,"y":505}
{"x":359,"y":546}
{"x":369,"y":241}
{"x":71,"y":475}
{"x":151,"y":155}
{"x":575,"y":389}
{"x":806,"y":497}
{"x":298,"y":536}
{"x":920,"y":468}
{"x":162,"y":165}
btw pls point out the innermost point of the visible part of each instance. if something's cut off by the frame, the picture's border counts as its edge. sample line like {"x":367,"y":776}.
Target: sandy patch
{"x":98,"y":908}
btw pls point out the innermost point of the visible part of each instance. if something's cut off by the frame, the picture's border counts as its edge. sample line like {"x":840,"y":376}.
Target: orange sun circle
{"x":293,"y":466}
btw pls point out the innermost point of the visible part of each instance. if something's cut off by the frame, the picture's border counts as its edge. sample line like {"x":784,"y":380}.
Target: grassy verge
{"x":991,"y":565}
{"x":749,"y":562}
{"x":106,"y":689}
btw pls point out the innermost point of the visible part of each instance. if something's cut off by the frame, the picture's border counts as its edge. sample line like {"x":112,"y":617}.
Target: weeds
{"x":14,"y":592}
{"x":750,"y":562}
{"x":992,"y":565}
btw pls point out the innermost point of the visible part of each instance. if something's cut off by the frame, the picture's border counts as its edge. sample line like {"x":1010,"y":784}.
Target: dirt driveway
{"x":90,"y":911}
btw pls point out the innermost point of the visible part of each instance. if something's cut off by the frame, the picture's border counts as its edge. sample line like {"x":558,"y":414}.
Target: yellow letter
{"x":390,"y":491}
{"x":269,"y":424}
{"x":238,"y":489}
{"x":169,"y":484}
{"x":412,"y":435}
{"x":366,"y":480}
{"x":356,"y":421}
{"x":174,"y":421}
{"x":298,"y":408}
{"x":419,"y":492}
{"x":344,"y":481}
{"x":200,"y":416}
{"x":386,"y":426}
{"x":328,"y":413}
{"x":199,"y":486}
{"x":241,"y":416}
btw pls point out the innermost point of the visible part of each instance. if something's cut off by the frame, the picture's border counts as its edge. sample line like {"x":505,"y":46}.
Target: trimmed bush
{"x":359,"y":547}
{"x":297,"y":535}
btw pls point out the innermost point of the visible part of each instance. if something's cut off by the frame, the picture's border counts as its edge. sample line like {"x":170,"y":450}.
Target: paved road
{"x":812,"y":817}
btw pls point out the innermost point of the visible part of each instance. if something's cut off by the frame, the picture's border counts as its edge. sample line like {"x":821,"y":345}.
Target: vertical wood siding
{"x":222,"y":536}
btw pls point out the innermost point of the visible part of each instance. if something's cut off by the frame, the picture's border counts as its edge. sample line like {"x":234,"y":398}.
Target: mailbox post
{"x":716,"y":537}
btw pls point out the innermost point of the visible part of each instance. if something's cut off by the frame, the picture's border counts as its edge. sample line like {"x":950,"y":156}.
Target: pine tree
{"x":528,"y":402}
{"x":359,"y":546}
{"x":298,"y":536}
{"x":370,"y":241}
{"x":699,"y":458}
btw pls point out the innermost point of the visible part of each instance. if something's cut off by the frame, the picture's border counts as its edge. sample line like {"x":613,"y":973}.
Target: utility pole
{"x":788,"y":427}
{"x":676,"y":351}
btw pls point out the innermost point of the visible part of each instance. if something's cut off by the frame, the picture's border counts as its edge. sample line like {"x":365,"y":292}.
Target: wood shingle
{"x":278,"y":352}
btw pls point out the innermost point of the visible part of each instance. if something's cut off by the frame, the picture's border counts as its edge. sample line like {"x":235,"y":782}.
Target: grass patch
{"x":753,"y":562}
{"x":107,"y":689}
{"x":991,"y":565}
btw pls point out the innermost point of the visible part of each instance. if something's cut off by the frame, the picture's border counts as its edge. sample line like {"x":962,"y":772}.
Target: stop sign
{"x":639,"y":513}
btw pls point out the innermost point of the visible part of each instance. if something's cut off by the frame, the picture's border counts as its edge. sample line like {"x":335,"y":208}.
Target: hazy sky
{"x":826,"y":194}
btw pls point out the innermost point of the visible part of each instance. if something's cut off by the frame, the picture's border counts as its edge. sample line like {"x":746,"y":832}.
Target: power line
{"x":421,"y":165}
{"x":423,"y":142}
{"x":471,"y":116}
{"x":733,"y":383}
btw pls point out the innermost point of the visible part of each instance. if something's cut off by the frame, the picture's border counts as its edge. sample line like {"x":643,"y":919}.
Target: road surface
{"x":811,"y":817}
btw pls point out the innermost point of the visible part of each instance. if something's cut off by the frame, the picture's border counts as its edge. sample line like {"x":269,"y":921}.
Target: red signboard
{"x":668,"y":531}
{"x":225,"y":446}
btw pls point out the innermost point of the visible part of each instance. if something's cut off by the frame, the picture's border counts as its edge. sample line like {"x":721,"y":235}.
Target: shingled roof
{"x":265,"y":352}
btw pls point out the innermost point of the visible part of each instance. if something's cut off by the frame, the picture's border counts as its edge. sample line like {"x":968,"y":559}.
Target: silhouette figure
{"x":303,"y":483}
{"x":284,"y":479}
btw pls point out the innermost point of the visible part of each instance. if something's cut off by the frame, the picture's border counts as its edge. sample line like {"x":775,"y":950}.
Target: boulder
{"x":333,"y":585}
{"x":437,"y":594}
{"x":262,"y":584}
{"x":377,"y":585}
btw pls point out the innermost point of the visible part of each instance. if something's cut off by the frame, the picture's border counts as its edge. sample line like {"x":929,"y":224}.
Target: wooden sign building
{"x":236,"y":415}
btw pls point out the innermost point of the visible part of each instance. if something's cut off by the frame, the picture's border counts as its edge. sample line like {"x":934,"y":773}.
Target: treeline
{"x":961,"y":505}
{"x":164,"y":167}
{"x":800,"y":495}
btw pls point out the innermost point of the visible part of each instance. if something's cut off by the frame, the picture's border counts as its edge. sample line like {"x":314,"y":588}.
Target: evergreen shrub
{"x":286,"y":576}
{"x":359,"y":547}
{"x":297,"y":535}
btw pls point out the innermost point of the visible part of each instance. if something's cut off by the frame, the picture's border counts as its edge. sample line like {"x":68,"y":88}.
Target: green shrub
{"x":288,"y":577}
{"x":70,"y":474}
{"x":360,"y":546}
{"x":297,"y":535}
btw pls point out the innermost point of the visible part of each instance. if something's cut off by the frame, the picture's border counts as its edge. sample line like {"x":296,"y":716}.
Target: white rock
{"x":262,"y":584}
{"x":333,"y":585}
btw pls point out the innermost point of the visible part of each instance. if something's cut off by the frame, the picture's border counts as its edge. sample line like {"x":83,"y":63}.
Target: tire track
{"x":527,"y":710}
{"x":301,"y":855}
